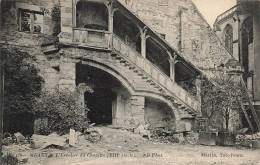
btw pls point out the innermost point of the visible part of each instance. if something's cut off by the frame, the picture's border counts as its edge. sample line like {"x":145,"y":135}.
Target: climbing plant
{"x":22,"y":83}
{"x":22,"y":86}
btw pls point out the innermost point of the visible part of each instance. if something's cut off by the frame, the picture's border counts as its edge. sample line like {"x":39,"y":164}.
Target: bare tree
{"x":221,"y":98}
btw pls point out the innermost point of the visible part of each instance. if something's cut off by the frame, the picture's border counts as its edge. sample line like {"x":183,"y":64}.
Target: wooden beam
{"x":250,"y":104}
{"x":246,"y":115}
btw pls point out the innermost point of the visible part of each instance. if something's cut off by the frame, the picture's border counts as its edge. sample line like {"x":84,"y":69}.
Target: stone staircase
{"x":134,"y":61}
{"x":162,"y":83}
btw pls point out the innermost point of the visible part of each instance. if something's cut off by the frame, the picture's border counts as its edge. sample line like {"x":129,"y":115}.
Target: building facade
{"x":144,"y":59}
{"x":239,"y":30}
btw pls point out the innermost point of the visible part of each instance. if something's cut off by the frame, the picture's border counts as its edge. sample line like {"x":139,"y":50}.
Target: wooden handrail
{"x":250,"y":103}
{"x":91,"y":30}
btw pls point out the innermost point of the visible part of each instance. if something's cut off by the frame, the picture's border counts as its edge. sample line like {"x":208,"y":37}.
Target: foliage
{"x":221,"y":98}
{"x":63,"y":109}
{"x":9,"y":159}
{"x":22,"y":82}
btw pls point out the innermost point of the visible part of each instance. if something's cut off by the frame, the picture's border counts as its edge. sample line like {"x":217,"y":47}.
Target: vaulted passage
{"x":111,"y":102}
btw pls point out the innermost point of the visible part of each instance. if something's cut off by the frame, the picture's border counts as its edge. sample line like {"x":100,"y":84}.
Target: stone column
{"x":143,"y":41}
{"x":66,"y":23}
{"x":198,"y":96}
{"x":172,"y":60}
{"x":111,"y":11}
{"x":67,"y":76}
{"x":256,"y":29}
{"x":134,"y":111}
{"x":110,"y":17}
{"x":118,"y":111}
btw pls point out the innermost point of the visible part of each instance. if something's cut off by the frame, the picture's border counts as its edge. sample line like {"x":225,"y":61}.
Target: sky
{"x":210,"y":9}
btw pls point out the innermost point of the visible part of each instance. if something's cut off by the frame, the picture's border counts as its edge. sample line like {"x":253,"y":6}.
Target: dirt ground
{"x":121,"y":147}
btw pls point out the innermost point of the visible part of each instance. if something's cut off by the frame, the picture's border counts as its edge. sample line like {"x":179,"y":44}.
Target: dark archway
{"x":91,"y":15}
{"x":103,"y":103}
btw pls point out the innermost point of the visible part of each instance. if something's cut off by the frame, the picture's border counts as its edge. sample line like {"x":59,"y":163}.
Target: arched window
{"x":247,"y":39}
{"x":228,"y":38}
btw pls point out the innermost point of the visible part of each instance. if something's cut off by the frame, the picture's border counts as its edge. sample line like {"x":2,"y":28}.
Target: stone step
{"x":182,"y":106}
{"x":127,"y":64}
{"x":140,"y":74}
{"x":157,"y":86}
{"x":132,"y":67}
{"x":122,"y":61}
{"x":118,"y":58}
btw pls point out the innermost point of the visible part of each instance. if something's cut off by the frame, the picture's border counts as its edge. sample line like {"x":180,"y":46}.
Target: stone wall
{"x":49,"y":10}
{"x":31,"y":43}
{"x":134,"y":111}
{"x":256,"y":26}
{"x":159,"y":114}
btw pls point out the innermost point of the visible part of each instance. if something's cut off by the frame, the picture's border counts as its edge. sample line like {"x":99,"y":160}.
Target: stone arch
{"x":130,"y":88}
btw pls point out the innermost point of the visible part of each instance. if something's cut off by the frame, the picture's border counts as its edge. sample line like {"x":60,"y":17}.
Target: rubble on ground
{"x":42,"y":141}
{"x":93,"y":134}
{"x":143,"y":131}
{"x":19,"y":137}
{"x":249,"y":141}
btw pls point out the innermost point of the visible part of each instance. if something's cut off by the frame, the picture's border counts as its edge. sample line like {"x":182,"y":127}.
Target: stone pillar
{"x":143,"y":41}
{"x":256,"y":29}
{"x":66,"y":23}
{"x":134,"y":111}
{"x":198,"y":95}
{"x":110,"y":17}
{"x":118,"y":111}
{"x":67,"y":76}
{"x":172,"y":60}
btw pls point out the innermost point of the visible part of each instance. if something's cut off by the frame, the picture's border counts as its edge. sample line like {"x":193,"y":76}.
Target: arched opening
{"x":185,"y":77}
{"x":159,"y":115}
{"x":247,"y":40}
{"x":109,"y":103}
{"x":228,"y":38}
{"x":157,"y":55}
{"x":125,"y":29}
{"x":91,"y":15}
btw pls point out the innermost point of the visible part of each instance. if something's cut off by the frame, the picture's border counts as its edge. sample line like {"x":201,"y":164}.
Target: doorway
{"x":100,"y":105}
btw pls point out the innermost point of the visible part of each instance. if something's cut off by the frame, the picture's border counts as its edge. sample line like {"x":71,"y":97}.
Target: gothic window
{"x":247,"y":38}
{"x":228,"y":38}
{"x":30,"y":21}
